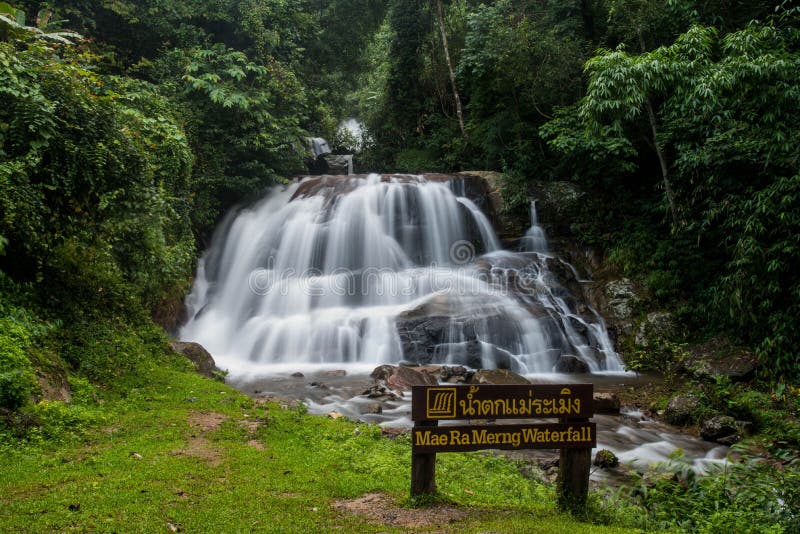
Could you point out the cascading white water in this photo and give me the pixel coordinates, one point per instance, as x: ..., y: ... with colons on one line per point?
x: 534, y: 239
x: 377, y: 269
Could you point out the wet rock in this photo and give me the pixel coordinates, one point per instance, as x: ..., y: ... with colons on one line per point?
x: 549, y: 465
x: 455, y: 374
x: 568, y: 363
x: 382, y: 372
x: 203, y: 362
x: 433, y: 370
x: 370, y: 408
x: 334, y: 373
x: 681, y: 410
x: 380, y: 392
x: 404, y: 378
x: 317, y: 146
x: 657, y: 328
x: 737, y: 369
x: 547, y: 462
x: 622, y: 298
x: 490, y: 193
x: 442, y: 373
x: 497, y: 376
x: 424, y: 340
x: 720, y: 427
x: 578, y: 325
x: 339, y: 164
x: 605, y: 459
x: 719, y: 357
x: 298, y: 375
x: 419, y: 337
x: 606, y: 403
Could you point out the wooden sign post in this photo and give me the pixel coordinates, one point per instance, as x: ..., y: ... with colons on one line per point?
x: 571, y: 404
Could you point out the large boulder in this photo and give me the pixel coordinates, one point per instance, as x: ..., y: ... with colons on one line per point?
x: 425, y: 334
x: 339, y: 164
x: 619, y: 303
x: 605, y: 459
x: 720, y: 358
x: 203, y: 362
x: 681, y: 410
x: 621, y: 297
x: 656, y: 329
x: 502, y: 377
x: 569, y: 363
x: 403, y: 378
x: 606, y: 403
x: 720, y: 428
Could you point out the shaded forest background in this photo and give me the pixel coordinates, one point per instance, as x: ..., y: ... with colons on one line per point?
x: 127, y: 129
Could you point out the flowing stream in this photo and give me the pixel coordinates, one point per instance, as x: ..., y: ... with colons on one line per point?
x: 363, y: 270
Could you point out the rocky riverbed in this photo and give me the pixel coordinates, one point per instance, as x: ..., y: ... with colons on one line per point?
x: 625, y: 426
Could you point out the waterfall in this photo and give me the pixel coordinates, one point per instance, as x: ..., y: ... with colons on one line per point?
x: 534, y: 239
x: 377, y: 269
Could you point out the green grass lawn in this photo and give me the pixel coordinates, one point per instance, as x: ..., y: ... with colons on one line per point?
x: 190, y: 454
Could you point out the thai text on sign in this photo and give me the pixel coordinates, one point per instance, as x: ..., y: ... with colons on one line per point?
x: 502, y: 402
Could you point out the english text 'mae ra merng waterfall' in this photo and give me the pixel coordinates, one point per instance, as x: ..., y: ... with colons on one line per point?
x: 377, y: 269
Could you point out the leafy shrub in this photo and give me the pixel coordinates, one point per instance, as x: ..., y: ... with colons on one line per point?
x: 417, y: 160
x: 753, y: 496
x: 60, y: 421
x: 83, y: 391
x: 17, y: 380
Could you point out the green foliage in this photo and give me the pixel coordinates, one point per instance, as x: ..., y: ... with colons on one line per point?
x: 410, y: 23
x: 13, y: 28
x: 17, y: 380
x: 507, y: 99
x: 95, y: 163
x: 247, y: 126
x: 60, y: 422
x: 754, y: 496
x: 417, y: 161
x: 513, y: 185
x: 722, y: 106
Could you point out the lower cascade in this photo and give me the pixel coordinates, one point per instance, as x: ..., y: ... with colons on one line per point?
x: 382, y: 268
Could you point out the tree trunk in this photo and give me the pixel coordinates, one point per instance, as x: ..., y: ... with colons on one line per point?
x: 459, y: 112
x: 663, y: 162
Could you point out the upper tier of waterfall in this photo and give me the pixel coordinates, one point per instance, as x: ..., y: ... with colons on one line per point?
x: 381, y: 268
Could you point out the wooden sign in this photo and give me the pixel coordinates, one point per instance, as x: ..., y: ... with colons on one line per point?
x: 431, y: 403
x: 510, y: 437
x: 574, y: 435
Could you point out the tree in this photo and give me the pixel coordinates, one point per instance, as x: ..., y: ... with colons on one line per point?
x: 726, y: 106
x: 454, y: 85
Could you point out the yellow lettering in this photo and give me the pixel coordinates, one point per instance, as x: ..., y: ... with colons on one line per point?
x: 479, y: 436
x: 422, y: 438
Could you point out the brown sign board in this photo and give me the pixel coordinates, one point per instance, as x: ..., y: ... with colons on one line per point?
x: 570, y: 401
x: 427, y: 439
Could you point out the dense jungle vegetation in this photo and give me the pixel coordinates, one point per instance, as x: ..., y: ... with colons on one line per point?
x: 127, y: 129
